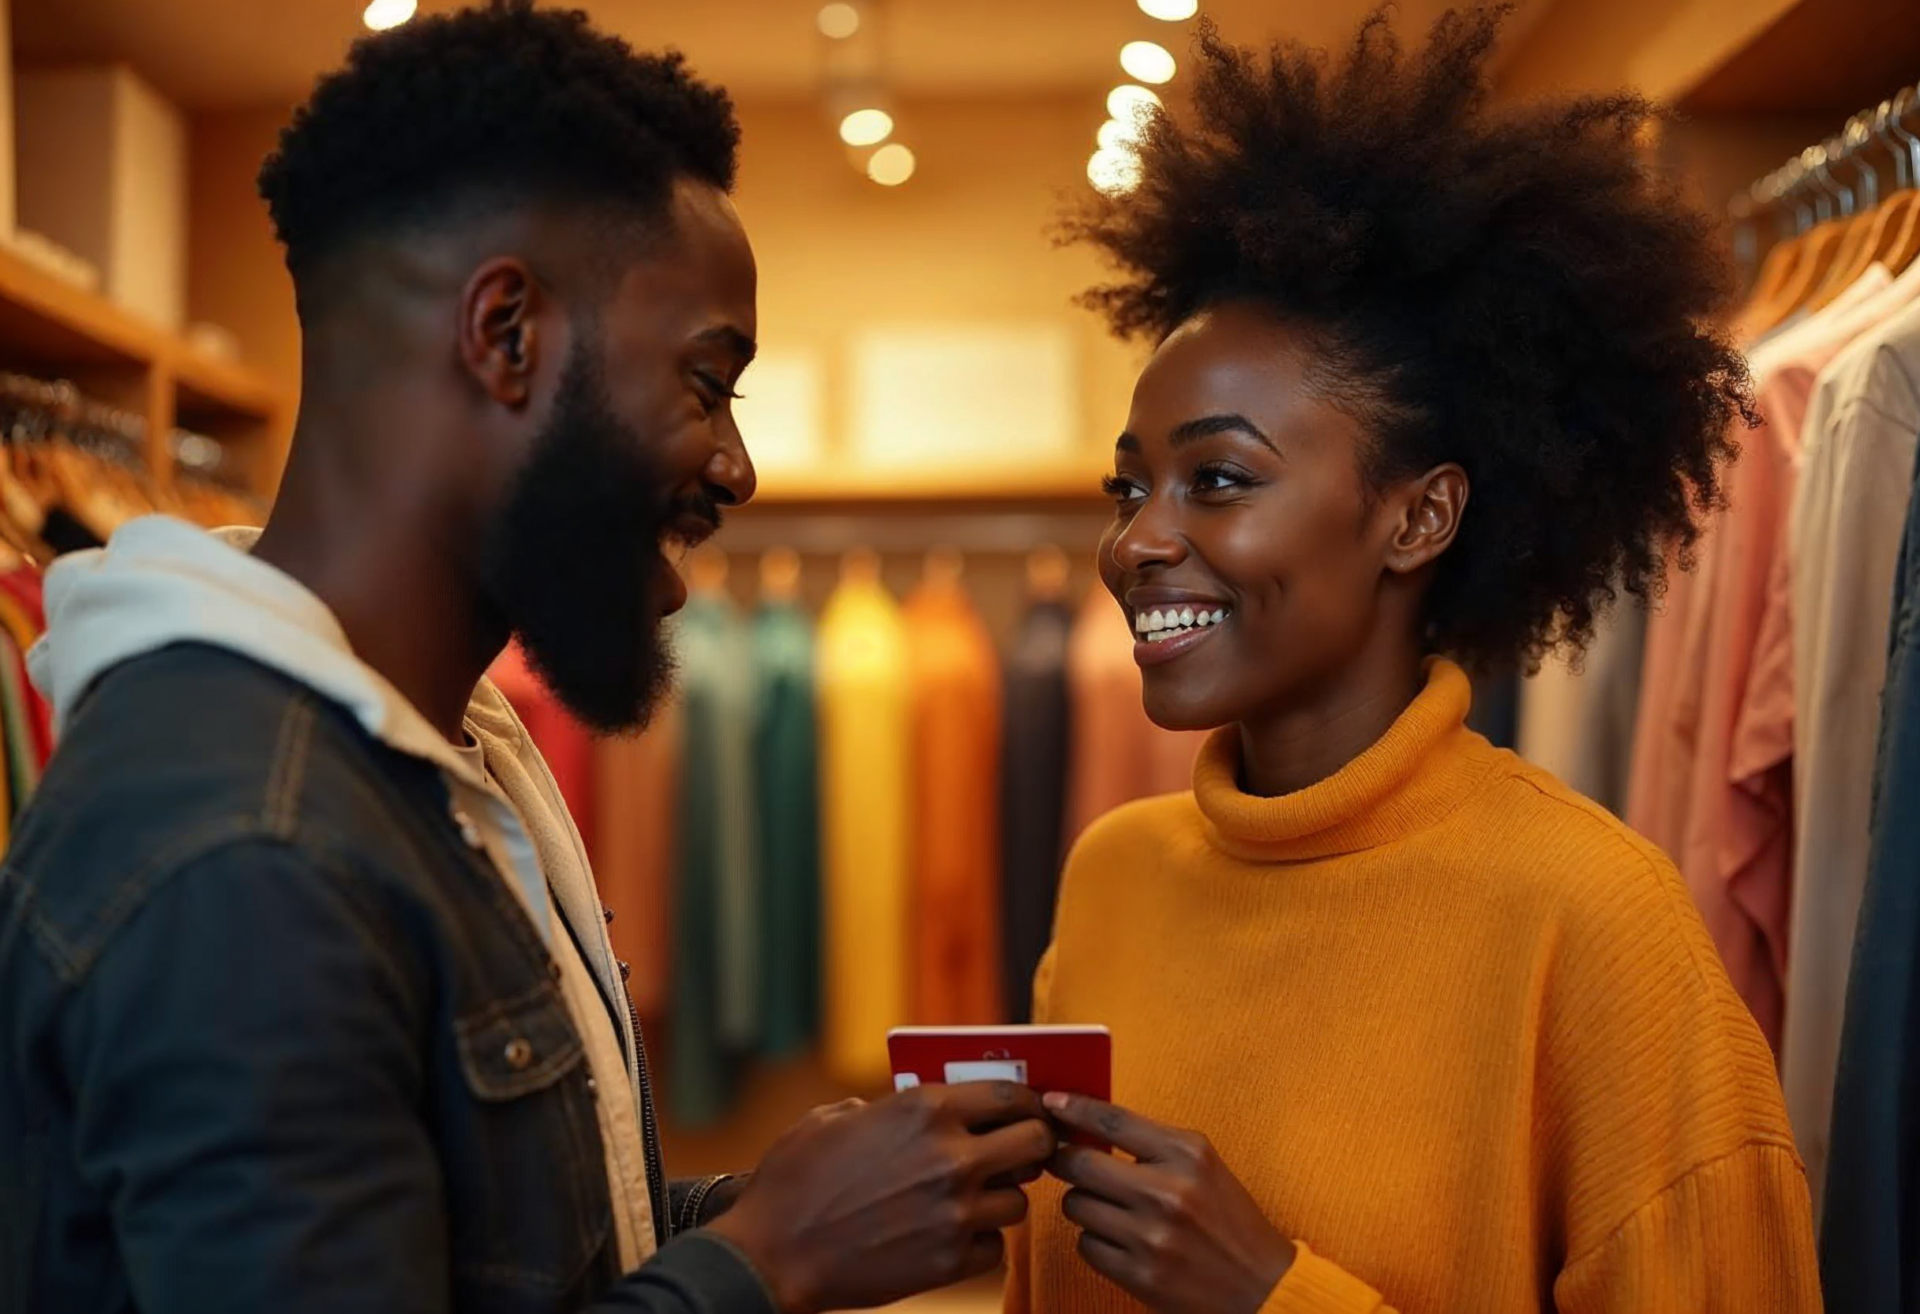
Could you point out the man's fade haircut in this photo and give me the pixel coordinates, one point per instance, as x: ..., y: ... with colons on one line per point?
x: 466, y: 112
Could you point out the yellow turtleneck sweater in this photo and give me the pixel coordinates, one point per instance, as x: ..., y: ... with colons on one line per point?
x: 1460, y: 1033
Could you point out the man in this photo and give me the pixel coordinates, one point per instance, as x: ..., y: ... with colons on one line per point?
x: 308, y: 1000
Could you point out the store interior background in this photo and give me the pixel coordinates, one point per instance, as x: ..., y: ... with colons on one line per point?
x: 999, y: 101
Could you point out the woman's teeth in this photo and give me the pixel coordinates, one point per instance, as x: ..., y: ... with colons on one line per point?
x: 1154, y: 626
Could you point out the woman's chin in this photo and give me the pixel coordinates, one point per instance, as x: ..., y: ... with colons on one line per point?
x: 1170, y: 709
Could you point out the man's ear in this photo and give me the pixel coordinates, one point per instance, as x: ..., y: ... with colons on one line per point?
x: 499, y: 341
x: 1431, y: 508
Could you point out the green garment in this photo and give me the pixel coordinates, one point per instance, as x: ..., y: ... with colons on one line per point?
x: 716, y: 1005
x: 788, y: 793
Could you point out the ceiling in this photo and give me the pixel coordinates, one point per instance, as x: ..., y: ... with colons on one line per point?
x: 224, y: 53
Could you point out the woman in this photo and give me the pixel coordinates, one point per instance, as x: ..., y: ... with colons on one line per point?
x: 1432, y: 386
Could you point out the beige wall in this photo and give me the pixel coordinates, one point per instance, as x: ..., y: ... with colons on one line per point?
x: 965, y: 241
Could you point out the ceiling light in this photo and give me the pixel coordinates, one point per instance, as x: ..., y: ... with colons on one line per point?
x: 1115, y: 134
x: 1114, y: 170
x: 1147, y: 61
x: 1127, y: 102
x: 866, y: 127
x: 891, y: 165
x: 1170, y: 11
x: 383, y: 14
x: 838, y: 21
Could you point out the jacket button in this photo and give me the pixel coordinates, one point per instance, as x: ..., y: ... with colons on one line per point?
x: 518, y: 1053
x: 626, y: 969
x: 607, y: 913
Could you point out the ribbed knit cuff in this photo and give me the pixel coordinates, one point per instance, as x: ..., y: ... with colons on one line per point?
x: 1319, y: 1286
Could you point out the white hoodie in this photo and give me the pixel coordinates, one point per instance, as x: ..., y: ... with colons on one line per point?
x: 161, y: 581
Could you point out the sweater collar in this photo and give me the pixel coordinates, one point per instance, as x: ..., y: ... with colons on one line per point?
x: 1426, y: 764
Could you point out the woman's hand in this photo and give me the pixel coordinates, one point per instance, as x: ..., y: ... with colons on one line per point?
x: 1175, y: 1229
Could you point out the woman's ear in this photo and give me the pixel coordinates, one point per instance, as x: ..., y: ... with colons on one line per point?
x: 1432, y: 506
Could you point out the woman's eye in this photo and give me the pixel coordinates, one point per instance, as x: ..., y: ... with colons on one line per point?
x: 712, y: 391
x: 1122, y: 490
x: 1216, y: 479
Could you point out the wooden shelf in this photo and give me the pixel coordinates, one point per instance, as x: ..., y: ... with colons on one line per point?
x: 52, y: 329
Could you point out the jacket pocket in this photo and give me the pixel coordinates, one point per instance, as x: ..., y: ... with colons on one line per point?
x: 529, y: 1213
x: 518, y: 1046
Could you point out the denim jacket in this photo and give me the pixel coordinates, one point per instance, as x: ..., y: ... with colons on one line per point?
x: 272, y: 1037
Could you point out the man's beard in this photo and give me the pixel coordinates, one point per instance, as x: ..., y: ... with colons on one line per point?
x: 570, y: 560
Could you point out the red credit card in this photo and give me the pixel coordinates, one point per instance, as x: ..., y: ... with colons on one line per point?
x: 1075, y: 1060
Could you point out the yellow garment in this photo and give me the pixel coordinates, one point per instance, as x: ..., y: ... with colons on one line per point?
x: 1460, y: 1032
x: 956, y: 809
x: 862, y: 674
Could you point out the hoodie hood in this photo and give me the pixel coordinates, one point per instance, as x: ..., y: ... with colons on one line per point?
x: 162, y: 581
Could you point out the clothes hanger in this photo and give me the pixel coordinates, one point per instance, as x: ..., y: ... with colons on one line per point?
x: 943, y: 568
x: 860, y: 566
x: 1833, y: 211
x: 1901, y: 246
x: 1047, y: 573
x: 707, y: 571
x: 779, y: 575
x: 1856, y: 256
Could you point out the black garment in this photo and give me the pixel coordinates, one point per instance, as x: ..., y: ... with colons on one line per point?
x: 273, y: 1038
x: 1033, y: 797
x: 1496, y: 708
x: 1870, y: 1226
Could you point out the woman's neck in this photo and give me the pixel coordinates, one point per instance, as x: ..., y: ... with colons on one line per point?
x: 1310, y: 738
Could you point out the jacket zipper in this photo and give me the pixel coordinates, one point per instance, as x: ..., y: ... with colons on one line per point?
x: 649, y: 1131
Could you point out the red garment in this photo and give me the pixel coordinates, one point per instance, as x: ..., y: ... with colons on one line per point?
x: 24, y: 586
x: 566, y: 744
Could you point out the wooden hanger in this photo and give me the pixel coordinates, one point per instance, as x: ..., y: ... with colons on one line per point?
x: 943, y: 568
x: 779, y: 575
x: 860, y: 565
x: 1047, y: 573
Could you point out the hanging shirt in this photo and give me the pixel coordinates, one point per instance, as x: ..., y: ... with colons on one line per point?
x: 956, y: 809
x: 1848, y: 516
x: 1578, y: 722
x: 1033, y: 796
x: 636, y: 802
x: 1674, y: 673
x: 716, y: 980
x: 865, y: 789
x: 1736, y: 717
x: 1870, y: 1245
x: 1119, y: 754
x: 785, y: 755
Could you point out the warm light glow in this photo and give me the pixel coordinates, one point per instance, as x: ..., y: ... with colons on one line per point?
x: 1127, y: 102
x: 891, y: 165
x: 1170, y: 11
x: 1114, y: 170
x: 839, y: 21
x: 1114, y: 134
x: 866, y: 127
x: 383, y: 14
x: 1147, y: 61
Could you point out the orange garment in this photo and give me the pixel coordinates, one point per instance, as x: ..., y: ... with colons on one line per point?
x: 955, y: 674
x: 1459, y: 1032
x: 637, y: 794
x: 1118, y: 754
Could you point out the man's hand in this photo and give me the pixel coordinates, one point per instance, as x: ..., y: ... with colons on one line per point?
x: 862, y: 1205
x: 1175, y: 1229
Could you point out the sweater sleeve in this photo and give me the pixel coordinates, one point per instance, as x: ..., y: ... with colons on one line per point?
x: 1315, y: 1285
x: 1734, y: 1235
